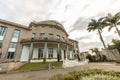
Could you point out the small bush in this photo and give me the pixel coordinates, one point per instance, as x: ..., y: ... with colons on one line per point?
x: 44, y: 60
x: 57, y: 77
x: 95, y: 74
x: 118, y: 61
x: 99, y: 77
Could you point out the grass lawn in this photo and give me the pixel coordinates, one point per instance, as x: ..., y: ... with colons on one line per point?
x: 38, y: 66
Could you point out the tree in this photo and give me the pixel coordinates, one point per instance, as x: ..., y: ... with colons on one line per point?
x: 89, y: 57
x: 116, y: 44
x: 113, y: 21
x: 96, y: 51
x: 97, y: 25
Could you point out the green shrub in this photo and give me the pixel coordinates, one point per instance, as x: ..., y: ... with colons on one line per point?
x: 100, y: 77
x: 57, y: 77
x: 95, y: 74
x: 118, y: 61
x: 44, y: 60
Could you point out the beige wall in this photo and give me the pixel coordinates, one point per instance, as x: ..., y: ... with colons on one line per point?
x: 47, y: 30
x: 7, y: 39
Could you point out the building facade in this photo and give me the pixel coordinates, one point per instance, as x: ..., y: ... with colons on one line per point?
x: 45, y: 39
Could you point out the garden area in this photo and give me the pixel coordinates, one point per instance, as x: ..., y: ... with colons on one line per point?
x: 94, y: 74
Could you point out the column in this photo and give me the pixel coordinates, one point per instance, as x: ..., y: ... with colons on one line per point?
x: 20, y: 53
x: 75, y: 49
x: 31, y: 51
x: 67, y: 52
x: 70, y: 55
x: 58, y: 52
x: 73, y: 53
x: 45, y: 50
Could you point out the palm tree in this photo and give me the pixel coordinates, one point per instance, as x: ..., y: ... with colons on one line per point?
x: 97, y: 25
x: 113, y: 21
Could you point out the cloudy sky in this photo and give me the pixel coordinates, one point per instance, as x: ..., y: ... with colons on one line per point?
x: 73, y: 14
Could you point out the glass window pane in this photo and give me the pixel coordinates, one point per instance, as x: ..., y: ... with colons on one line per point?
x: 40, y: 53
x: 50, y: 36
x: 16, y: 33
x: 13, y: 45
x: 10, y: 55
x: 42, y: 35
x: 33, y: 35
x: 50, y: 53
x: 58, y: 37
x: 2, y: 30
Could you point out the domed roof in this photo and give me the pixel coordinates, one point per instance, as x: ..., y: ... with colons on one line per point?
x: 49, y: 22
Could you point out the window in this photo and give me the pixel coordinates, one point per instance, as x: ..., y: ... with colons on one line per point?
x: 40, y: 53
x: 42, y: 35
x: 13, y: 45
x: 16, y: 33
x: 50, y: 36
x: 2, y: 30
x: 33, y: 35
x: 50, y: 53
x: 10, y: 55
x: 58, y: 37
x: 63, y: 38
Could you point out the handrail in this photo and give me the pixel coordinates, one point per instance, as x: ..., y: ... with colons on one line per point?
x: 45, y: 39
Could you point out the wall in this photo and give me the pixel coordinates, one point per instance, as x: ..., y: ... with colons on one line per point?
x: 14, y: 65
x: 111, y: 54
x: 47, y: 30
x: 7, y: 39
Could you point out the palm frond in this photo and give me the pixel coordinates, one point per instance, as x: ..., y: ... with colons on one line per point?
x: 110, y: 28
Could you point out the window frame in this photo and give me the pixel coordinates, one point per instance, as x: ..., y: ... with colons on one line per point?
x: 3, y: 30
x: 13, y: 45
x: 33, y: 35
x: 10, y: 55
x: 39, y: 53
x: 14, y: 34
x: 50, y: 52
x: 42, y: 35
x: 50, y: 36
x: 58, y: 37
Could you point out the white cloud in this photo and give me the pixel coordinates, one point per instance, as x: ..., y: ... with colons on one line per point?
x: 73, y: 14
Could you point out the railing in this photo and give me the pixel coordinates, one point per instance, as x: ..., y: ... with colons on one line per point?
x: 38, y: 39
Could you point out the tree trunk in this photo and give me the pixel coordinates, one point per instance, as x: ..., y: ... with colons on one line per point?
x: 117, y: 30
x: 101, y: 38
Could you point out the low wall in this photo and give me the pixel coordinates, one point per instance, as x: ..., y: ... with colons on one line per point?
x: 41, y: 60
x: 14, y: 65
x: 111, y: 54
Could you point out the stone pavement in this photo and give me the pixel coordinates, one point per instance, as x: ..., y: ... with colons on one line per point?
x: 46, y: 74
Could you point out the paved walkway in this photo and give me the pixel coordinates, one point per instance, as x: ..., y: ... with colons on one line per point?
x: 46, y: 74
